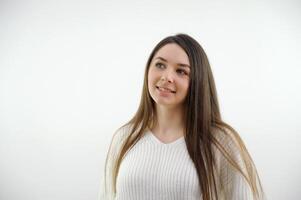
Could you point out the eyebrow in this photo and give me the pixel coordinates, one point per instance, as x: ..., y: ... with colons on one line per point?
x: 181, y: 64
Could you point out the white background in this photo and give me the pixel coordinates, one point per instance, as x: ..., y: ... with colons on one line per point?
x: 71, y: 73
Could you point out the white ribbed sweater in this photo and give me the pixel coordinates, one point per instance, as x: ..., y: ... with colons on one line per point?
x: 153, y: 170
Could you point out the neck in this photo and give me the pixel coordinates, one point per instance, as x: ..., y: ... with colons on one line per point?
x: 168, y: 121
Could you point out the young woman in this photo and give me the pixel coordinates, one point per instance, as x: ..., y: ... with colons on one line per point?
x: 177, y: 147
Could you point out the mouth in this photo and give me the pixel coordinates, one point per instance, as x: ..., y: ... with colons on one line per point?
x: 165, y: 89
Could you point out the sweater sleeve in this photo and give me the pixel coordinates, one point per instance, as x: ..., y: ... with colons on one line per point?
x: 106, y: 186
x: 233, y: 184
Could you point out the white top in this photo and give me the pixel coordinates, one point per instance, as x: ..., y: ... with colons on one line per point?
x: 153, y: 170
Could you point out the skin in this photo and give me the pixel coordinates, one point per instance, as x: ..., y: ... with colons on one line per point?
x: 169, y: 73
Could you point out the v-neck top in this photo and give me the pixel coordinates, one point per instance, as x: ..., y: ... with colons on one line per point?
x: 153, y: 170
x: 156, y: 140
x: 156, y: 170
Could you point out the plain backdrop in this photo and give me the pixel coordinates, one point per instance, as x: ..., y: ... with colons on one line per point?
x: 71, y: 73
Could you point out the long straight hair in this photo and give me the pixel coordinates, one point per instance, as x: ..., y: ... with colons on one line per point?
x: 202, y: 116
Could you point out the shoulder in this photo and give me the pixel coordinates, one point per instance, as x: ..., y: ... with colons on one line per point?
x: 227, y: 137
x: 229, y: 148
x: 236, y: 171
x: 120, y: 134
x: 122, y: 131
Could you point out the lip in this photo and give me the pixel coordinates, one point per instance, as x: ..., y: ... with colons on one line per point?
x: 170, y: 90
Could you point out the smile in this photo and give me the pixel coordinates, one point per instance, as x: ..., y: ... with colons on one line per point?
x: 165, y: 89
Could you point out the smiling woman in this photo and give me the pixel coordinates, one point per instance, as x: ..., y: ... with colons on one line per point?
x: 177, y: 146
x: 168, y: 80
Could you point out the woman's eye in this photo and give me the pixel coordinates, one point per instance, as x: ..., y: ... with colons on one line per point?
x: 159, y: 65
x: 182, y: 72
x: 179, y: 71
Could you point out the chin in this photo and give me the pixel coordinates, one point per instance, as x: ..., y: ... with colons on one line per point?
x: 167, y: 104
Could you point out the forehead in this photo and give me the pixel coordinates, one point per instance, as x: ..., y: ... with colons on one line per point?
x: 173, y: 53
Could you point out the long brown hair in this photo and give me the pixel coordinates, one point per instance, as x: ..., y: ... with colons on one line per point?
x: 202, y: 117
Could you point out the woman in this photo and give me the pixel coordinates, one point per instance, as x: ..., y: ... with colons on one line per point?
x: 177, y: 146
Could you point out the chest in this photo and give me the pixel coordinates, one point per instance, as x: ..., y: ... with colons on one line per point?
x: 164, y: 171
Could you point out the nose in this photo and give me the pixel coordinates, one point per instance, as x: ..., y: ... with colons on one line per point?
x: 168, y: 76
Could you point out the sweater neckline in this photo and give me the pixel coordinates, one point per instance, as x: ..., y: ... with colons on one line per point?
x: 159, y: 142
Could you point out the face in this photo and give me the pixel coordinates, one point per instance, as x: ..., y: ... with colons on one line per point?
x: 168, y: 76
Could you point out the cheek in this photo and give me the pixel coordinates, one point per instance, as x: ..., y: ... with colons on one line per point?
x: 184, y: 85
x: 187, y: 84
x: 151, y: 76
